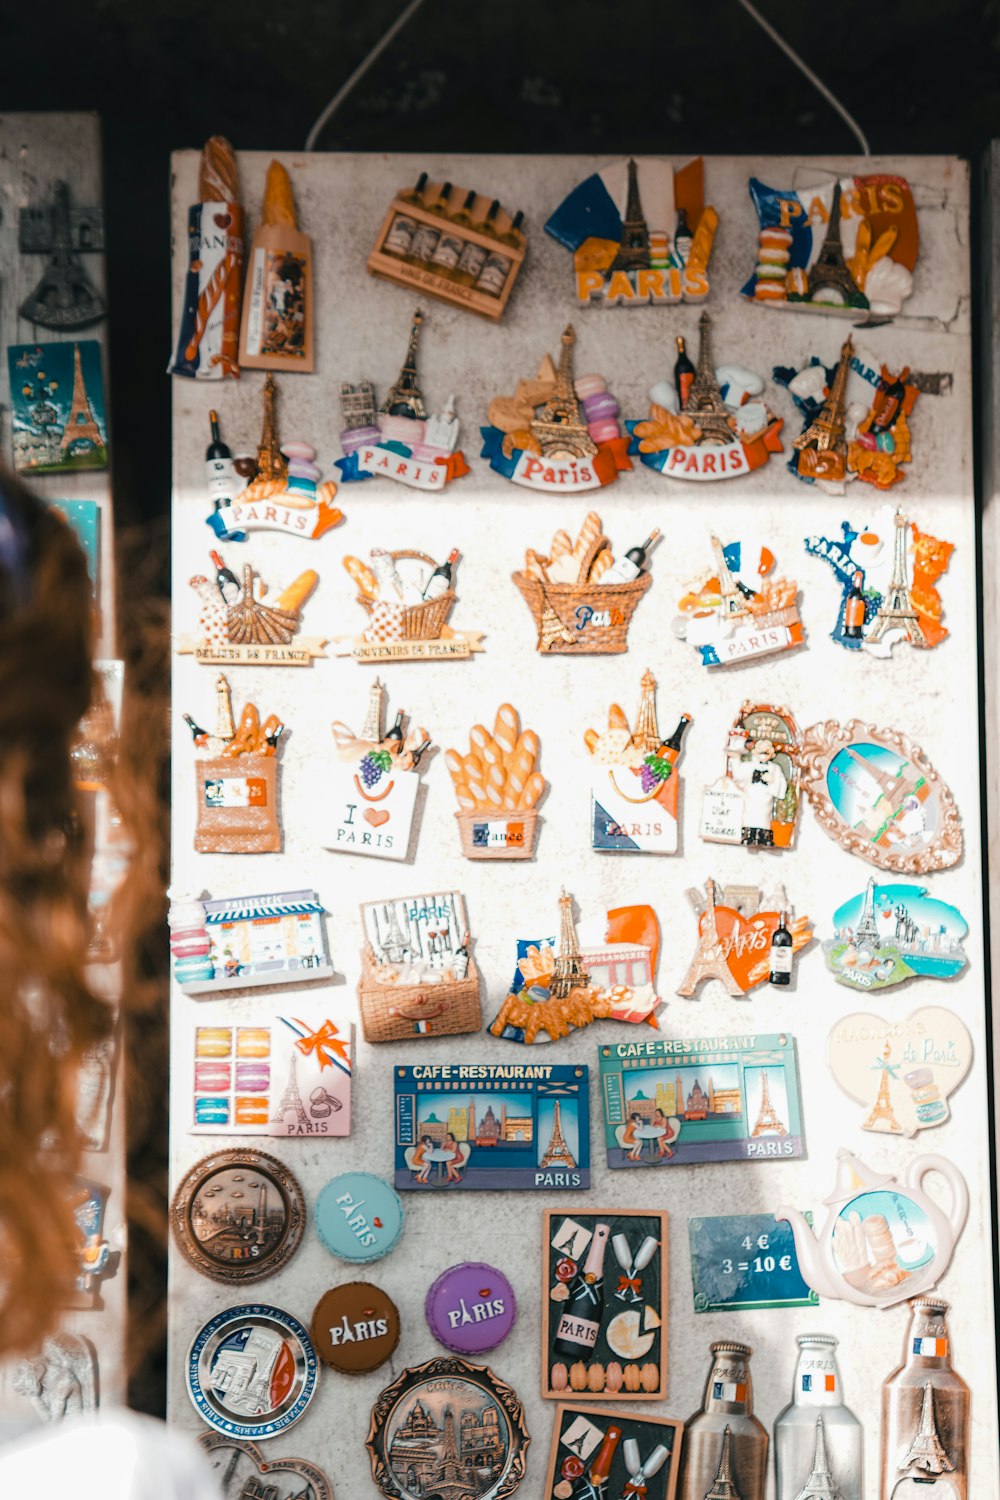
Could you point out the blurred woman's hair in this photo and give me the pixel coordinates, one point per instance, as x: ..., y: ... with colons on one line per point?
x: 49, y: 1014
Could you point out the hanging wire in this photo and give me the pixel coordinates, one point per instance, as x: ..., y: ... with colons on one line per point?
x: 360, y: 71
x: 804, y: 68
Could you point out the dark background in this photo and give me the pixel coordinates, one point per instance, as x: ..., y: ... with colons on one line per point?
x: 602, y: 76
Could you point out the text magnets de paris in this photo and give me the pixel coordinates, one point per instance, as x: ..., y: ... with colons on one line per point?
x: 878, y: 796
x: 901, y: 1071
x: 252, y: 1371
x: 242, y: 1470
x: 604, y: 1304
x: 629, y: 1454
x: 470, y: 1308
x: 238, y: 1216
x: 448, y: 1428
x: 358, y: 1217
x: 883, y: 1240
x: 355, y: 1327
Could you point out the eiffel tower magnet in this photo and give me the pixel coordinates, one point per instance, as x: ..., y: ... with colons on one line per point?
x: 65, y: 296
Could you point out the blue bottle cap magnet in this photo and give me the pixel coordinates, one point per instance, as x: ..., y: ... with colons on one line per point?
x: 359, y: 1217
x: 471, y: 1308
x: 252, y: 1371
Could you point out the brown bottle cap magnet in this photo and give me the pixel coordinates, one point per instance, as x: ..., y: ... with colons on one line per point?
x: 355, y: 1327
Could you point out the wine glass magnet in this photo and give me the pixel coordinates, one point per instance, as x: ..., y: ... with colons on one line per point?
x: 888, y: 571
x: 732, y: 611
x: 709, y: 423
x: 398, y: 440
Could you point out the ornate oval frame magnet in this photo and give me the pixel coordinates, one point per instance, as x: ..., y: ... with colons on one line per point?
x: 430, y: 1401
x: 878, y: 795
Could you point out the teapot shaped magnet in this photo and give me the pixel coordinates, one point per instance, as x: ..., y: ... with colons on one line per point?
x: 882, y: 1241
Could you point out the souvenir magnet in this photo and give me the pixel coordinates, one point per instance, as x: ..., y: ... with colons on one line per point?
x: 418, y: 977
x: 278, y: 1075
x: 236, y: 780
x: 901, y: 1071
x: 744, y: 939
x: 209, y: 332
x: 725, y: 1445
x: 57, y: 409
x: 709, y: 423
x: 926, y: 1411
x: 454, y: 244
x: 487, y: 1126
x: 635, y: 786
x: 65, y: 296
x: 498, y: 787
x: 358, y: 1217
x: 252, y: 1371
x: 556, y: 433
x: 448, y: 1428
x: 95, y: 1092
x: 818, y: 1441
x: 242, y: 1471
x: 873, y: 563
x: 238, y: 1216
x: 470, y: 1308
x: 626, y: 1455
x: 96, y: 1262
x: 883, y: 1240
x: 854, y: 420
x: 61, y: 1380
x: 743, y: 1262
x: 674, y: 1101
x: 408, y: 598
x: 609, y: 971
x: 355, y: 1327
x: 399, y: 441
x: 755, y: 802
x: 840, y: 247
x: 372, y: 789
x: 630, y: 248
x: 878, y: 796
x: 276, y: 332
x: 581, y: 597
x: 894, y: 932
x: 729, y: 613
x: 245, y: 942
x: 284, y: 490
x: 239, y: 626
x: 604, y: 1304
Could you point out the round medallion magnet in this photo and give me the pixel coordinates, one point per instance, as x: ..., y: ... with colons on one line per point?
x: 471, y: 1308
x: 252, y: 1371
x: 457, y: 1423
x: 355, y: 1327
x: 359, y: 1217
x: 238, y: 1215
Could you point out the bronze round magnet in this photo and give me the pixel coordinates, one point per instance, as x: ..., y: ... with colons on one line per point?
x: 238, y: 1215
x: 355, y: 1327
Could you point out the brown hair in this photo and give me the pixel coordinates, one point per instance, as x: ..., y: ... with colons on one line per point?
x: 49, y: 1015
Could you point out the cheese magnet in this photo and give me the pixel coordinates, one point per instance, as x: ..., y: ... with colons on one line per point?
x: 355, y: 1327
x: 277, y: 330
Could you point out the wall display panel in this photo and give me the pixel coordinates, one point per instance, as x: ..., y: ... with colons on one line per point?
x: 360, y: 333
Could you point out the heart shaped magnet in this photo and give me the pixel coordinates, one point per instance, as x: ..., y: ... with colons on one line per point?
x: 901, y: 1071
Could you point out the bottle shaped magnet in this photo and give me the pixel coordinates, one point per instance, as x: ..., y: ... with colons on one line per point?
x: 818, y: 1441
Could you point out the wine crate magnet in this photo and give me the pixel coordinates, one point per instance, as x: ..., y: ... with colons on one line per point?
x: 604, y: 1304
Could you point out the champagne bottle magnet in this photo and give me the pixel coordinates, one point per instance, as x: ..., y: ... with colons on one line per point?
x: 580, y: 1322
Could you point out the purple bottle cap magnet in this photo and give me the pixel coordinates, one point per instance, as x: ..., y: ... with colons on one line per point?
x: 471, y: 1308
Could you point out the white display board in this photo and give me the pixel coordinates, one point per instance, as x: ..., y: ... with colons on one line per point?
x: 362, y: 329
x: 36, y: 152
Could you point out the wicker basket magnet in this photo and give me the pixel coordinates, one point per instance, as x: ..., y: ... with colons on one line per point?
x: 564, y: 614
x: 421, y: 622
x: 406, y: 1012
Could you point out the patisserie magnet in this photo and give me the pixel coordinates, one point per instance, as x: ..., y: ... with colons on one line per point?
x: 369, y: 793
x: 840, y: 247
x: 635, y: 781
x: 557, y: 433
x: 398, y: 440
x: 707, y: 423
x: 640, y: 233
